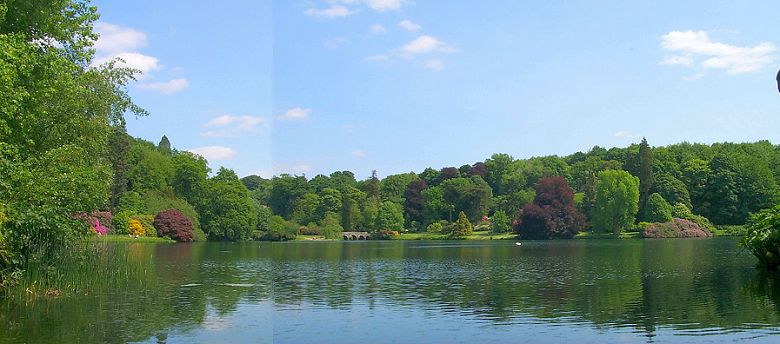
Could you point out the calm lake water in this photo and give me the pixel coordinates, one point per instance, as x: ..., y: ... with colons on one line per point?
x: 588, y: 291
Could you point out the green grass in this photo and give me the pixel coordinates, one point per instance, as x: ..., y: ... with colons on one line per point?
x: 592, y: 235
x: 127, y: 239
x: 483, y: 235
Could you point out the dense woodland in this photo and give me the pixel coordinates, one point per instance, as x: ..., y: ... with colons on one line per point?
x: 67, y: 162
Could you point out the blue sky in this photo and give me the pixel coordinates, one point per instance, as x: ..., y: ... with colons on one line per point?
x: 315, y: 86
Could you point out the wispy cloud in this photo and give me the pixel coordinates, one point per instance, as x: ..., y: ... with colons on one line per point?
x: 385, y: 5
x: 232, y: 126
x: 295, y: 114
x: 377, y: 29
x: 696, y: 48
x: 214, y: 153
x: 168, y: 87
x: 425, y: 44
x: 358, y: 153
x: 625, y: 134
x: 332, y: 12
x: 409, y: 25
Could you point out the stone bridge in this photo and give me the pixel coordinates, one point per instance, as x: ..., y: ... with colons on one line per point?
x: 355, y: 236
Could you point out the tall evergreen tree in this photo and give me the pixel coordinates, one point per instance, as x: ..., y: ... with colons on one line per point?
x: 118, y: 153
x: 373, y: 186
x: 164, y: 146
x: 646, y: 177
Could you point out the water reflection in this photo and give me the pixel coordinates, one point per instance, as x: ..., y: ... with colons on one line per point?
x: 308, y: 292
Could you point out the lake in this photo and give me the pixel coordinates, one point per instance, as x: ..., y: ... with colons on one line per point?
x: 589, y: 291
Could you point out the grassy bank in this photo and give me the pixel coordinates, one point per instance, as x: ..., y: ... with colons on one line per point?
x: 127, y: 239
x: 592, y: 235
x: 440, y: 236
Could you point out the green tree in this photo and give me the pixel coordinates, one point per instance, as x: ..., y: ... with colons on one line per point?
x: 164, y: 146
x: 657, y: 209
x: 190, y: 172
x: 462, y: 227
x: 392, y: 187
x: 617, y: 201
x: 672, y: 189
x: 390, y: 217
x: 285, y: 192
x: 228, y: 213
x: 500, y: 222
x: 646, y: 176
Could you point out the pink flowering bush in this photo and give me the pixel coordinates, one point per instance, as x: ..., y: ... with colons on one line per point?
x: 677, y: 228
x: 95, y: 220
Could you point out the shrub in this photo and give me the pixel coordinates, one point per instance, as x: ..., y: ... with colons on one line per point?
x: 462, y: 227
x: 387, y: 234
x: 552, y: 214
x: 763, y: 238
x: 96, y: 220
x: 682, y: 211
x: 677, y: 228
x: 136, y: 228
x: 174, y: 224
x: 657, y: 209
x: 434, y: 227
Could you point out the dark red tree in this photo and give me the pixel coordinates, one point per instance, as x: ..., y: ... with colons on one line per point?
x: 174, y: 224
x: 448, y: 173
x: 552, y: 215
x: 413, y: 200
x: 479, y: 169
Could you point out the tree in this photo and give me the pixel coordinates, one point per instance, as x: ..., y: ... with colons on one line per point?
x: 119, y: 153
x: 56, y: 118
x: 672, y: 189
x: 500, y: 222
x: 373, y: 186
x: 285, y: 192
x: 617, y: 201
x: 462, y: 227
x: 173, y: 224
x: 471, y: 195
x: 414, y: 202
x: 392, y: 188
x: 498, y: 166
x: 448, y: 173
x: 646, y: 177
x: 552, y: 215
x: 164, y: 146
x: 229, y: 213
x: 330, y: 202
x: 390, y: 217
x: 763, y: 238
x: 190, y: 172
x: 657, y: 209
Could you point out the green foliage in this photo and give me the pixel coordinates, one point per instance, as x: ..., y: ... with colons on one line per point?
x: 330, y: 226
x: 392, y: 187
x: 279, y: 230
x: 435, y: 227
x: 657, y: 209
x: 390, y: 217
x: 462, y: 227
x: 763, y: 238
x: 229, y: 213
x: 682, y: 211
x: 500, y: 222
x: 617, y: 201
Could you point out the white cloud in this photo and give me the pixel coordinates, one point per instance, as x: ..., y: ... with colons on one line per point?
x: 232, y: 126
x: 172, y: 86
x: 690, y: 46
x: 334, y: 11
x: 295, y: 114
x: 358, y: 153
x: 434, y: 64
x: 385, y: 5
x: 241, y: 121
x: 116, y: 39
x: 627, y: 135
x: 425, y: 44
x: 214, y: 153
x: 409, y: 25
x: 141, y: 62
x: 377, y: 29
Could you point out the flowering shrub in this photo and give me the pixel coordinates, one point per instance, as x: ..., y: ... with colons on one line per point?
x: 677, y: 228
x: 173, y: 224
x: 136, y: 228
x: 386, y: 234
x: 95, y: 220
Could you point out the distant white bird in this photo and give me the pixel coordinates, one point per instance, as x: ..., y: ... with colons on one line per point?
x: 518, y: 244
